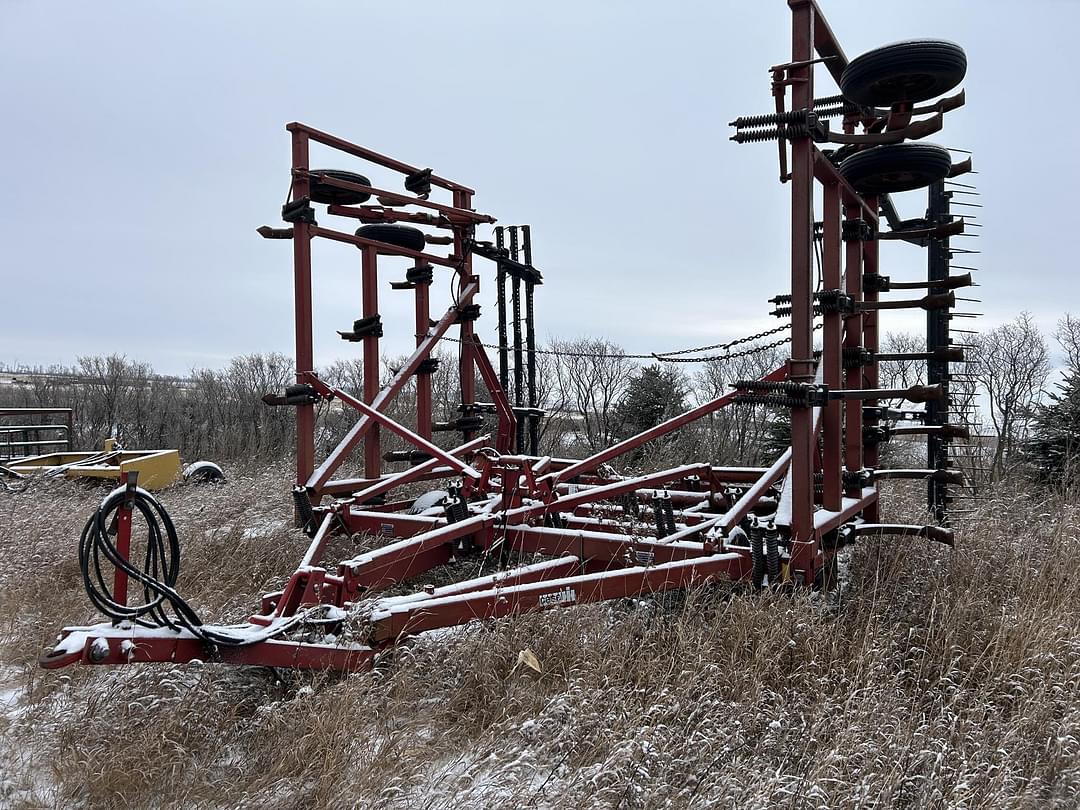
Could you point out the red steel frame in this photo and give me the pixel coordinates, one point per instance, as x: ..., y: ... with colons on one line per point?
x: 567, y: 510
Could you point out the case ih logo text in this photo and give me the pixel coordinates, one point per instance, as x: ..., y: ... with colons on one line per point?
x: 561, y: 597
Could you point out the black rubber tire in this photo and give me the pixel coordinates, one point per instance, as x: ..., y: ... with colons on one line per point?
x: 332, y: 195
x: 203, y: 472
x: 402, y: 236
x: 914, y: 70
x: 896, y: 167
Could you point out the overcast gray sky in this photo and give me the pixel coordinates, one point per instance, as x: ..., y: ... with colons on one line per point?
x: 145, y: 142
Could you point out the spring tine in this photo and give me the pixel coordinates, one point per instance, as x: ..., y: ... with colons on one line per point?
x: 963, y: 267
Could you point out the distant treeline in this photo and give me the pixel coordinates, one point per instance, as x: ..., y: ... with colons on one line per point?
x: 593, y: 394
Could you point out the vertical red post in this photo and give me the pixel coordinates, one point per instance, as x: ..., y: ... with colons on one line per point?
x: 370, y: 286
x: 832, y: 352
x: 870, y: 341
x: 123, y: 546
x: 853, y: 339
x: 423, y: 381
x: 803, y: 440
x: 466, y: 364
x: 305, y: 414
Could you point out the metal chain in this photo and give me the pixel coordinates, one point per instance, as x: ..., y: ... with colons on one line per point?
x: 728, y: 356
x: 728, y: 345
x: 558, y: 353
x: 669, y: 357
x: 731, y: 355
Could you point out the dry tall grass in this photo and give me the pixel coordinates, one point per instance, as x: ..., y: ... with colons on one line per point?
x: 936, y: 679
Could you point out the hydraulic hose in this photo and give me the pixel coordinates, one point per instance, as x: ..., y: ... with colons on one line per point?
x: 157, y: 576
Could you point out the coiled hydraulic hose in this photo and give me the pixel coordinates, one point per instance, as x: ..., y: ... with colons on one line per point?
x: 160, y: 567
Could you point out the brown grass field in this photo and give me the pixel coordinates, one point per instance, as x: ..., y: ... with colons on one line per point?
x: 934, y: 678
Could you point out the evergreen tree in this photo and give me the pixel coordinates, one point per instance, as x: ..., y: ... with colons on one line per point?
x: 653, y: 396
x: 1054, y: 446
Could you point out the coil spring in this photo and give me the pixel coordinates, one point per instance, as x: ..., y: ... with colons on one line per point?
x: 784, y: 386
x: 785, y: 312
x: 778, y: 400
x: 789, y: 131
x: 772, y: 552
x: 658, y: 516
x: 304, y: 510
x: 757, y: 553
x: 832, y: 111
x: 857, y: 356
x: 769, y: 119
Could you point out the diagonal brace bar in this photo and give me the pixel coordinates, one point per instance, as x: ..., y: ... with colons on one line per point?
x: 394, y: 427
x: 676, y: 422
x: 386, y: 396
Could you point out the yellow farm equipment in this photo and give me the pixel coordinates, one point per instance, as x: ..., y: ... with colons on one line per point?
x: 156, y: 468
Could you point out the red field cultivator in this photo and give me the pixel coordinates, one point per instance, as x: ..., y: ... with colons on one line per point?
x: 586, y: 533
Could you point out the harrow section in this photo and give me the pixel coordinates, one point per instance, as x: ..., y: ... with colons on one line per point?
x: 533, y: 532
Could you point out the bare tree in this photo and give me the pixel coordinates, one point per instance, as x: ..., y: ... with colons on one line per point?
x: 736, y: 434
x: 902, y: 373
x: 1012, y: 363
x: 1068, y: 337
x: 591, y: 376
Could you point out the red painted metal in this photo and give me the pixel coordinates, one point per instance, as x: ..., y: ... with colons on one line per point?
x: 305, y: 414
x: 402, y: 431
x: 832, y: 352
x: 410, y: 619
x: 802, y: 367
x: 370, y: 282
x: 321, y: 475
x: 853, y: 335
x: 369, y: 155
x: 422, y: 299
x: 664, y: 428
x: 418, y: 473
x: 610, y: 536
x: 507, y: 420
x: 123, y: 546
x: 457, y: 213
x: 871, y: 343
x: 137, y: 645
x: 467, y: 362
x: 381, y: 247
